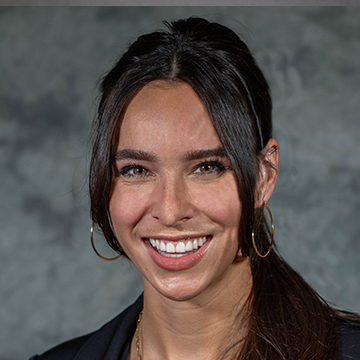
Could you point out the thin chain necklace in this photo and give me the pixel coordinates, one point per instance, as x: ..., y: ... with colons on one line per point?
x: 137, y: 334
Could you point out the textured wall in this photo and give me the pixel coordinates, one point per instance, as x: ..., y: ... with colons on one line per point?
x: 52, y: 285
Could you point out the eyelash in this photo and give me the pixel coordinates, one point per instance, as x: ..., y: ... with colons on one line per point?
x: 219, y: 168
x: 126, y: 169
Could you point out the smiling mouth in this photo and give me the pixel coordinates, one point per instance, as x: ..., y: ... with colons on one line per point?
x: 179, y: 248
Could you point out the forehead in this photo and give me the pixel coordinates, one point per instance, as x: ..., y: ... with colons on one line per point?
x: 167, y: 115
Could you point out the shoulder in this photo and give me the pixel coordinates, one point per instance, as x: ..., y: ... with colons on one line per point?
x: 95, y: 345
x: 66, y: 350
x: 349, y: 339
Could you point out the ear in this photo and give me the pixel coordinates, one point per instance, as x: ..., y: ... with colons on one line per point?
x: 268, y: 172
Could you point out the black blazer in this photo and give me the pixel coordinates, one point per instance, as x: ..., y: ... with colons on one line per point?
x: 112, y: 341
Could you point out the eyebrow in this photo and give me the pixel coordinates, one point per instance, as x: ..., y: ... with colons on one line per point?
x: 204, y: 153
x: 125, y: 154
x: 135, y: 155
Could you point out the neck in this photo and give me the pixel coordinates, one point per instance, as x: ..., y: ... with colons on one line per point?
x: 201, y: 327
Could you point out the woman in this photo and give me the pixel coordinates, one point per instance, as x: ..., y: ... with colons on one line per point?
x: 182, y: 168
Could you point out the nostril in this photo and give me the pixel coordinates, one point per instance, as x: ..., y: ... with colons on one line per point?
x: 185, y: 218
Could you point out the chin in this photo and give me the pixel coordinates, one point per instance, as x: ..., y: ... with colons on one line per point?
x: 180, y: 296
x: 183, y: 289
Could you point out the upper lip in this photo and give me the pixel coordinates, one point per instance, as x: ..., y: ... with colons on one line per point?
x: 175, y: 238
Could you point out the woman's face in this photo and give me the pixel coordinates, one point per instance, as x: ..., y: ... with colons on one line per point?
x: 174, y: 204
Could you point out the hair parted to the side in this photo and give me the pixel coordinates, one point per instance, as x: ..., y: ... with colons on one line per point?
x: 286, y: 319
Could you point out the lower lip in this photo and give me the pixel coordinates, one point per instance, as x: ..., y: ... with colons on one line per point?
x: 175, y: 264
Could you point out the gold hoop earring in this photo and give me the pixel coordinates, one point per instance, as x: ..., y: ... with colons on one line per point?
x: 93, y: 246
x: 272, y: 235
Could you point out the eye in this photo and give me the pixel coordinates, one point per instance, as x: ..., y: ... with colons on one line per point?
x: 207, y: 168
x: 134, y: 171
x: 210, y: 167
x: 139, y: 171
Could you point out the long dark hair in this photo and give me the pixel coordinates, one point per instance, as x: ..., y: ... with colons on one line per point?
x: 286, y: 319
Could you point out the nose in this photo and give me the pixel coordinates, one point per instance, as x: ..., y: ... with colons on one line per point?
x: 171, y: 203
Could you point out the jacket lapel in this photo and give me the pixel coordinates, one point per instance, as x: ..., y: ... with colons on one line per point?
x: 110, y: 341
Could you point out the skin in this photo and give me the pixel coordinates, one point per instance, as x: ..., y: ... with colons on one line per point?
x: 189, y: 313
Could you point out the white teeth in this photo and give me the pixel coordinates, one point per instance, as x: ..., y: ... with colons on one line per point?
x: 172, y: 255
x: 162, y: 246
x: 189, y: 246
x: 170, y: 248
x: 182, y: 248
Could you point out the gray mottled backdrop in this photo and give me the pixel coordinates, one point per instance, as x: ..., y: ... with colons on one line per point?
x: 52, y: 285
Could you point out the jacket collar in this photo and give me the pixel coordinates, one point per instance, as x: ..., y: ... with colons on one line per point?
x: 111, y: 342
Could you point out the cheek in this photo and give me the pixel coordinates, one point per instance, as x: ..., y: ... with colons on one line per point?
x: 220, y: 203
x: 126, y: 208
